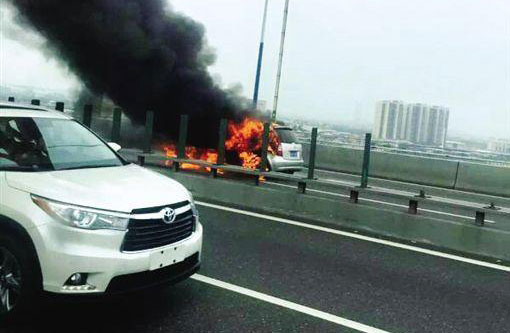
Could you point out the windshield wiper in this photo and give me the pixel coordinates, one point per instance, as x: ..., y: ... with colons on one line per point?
x: 89, y: 167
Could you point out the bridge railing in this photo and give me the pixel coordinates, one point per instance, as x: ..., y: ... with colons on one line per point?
x: 355, y: 193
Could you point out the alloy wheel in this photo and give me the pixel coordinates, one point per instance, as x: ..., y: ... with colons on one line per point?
x: 10, y: 281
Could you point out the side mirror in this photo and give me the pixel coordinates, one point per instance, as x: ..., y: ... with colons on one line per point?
x: 114, y: 146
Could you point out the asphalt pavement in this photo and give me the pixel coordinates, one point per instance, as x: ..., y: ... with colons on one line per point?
x: 310, y: 281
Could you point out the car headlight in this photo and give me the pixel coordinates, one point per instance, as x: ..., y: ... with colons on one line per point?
x: 194, y: 209
x: 193, y: 206
x: 81, y: 217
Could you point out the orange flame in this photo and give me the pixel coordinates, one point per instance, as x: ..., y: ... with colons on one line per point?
x: 192, y: 153
x: 250, y: 160
x: 244, y: 138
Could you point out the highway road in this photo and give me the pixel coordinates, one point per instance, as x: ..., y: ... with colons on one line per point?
x: 266, y: 274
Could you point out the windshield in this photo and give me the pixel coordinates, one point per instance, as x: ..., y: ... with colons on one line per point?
x: 286, y: 135
x: 45, y: 144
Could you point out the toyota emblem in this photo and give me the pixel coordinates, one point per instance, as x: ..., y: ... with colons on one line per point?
x: 168, y: 215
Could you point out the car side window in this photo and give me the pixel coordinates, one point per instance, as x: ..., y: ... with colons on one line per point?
x: 22, y: 145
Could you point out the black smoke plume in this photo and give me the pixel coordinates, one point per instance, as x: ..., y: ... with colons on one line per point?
x: 141, y: 54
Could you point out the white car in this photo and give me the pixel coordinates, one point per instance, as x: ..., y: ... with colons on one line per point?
x: 75, y: 218
x: 289, y: 156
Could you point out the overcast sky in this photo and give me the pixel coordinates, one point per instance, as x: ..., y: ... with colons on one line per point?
x: 341, y: 56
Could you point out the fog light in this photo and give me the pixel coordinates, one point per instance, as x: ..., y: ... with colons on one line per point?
x: 84, y: 287
x: 77, y: 279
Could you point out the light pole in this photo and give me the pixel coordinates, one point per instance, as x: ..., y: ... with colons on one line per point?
x: 280, y: 61
x: 259, y: 61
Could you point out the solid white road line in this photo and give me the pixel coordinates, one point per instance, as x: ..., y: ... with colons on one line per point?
x: 382, y: 202
x: 360, y: 237
x: 287, y: 304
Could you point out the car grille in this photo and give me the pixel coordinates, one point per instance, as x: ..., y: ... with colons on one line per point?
x: 150, y: 234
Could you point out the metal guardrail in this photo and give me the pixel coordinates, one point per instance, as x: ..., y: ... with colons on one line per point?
x: 355, y: 192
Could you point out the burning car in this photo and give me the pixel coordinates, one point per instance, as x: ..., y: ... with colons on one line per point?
x: 243, y: 147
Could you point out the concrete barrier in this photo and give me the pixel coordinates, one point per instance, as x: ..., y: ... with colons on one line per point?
x: 407, y: 168
x: 336, y: 158
x: 484, y: 179
x: 420, y: 170
x: 396, y: 224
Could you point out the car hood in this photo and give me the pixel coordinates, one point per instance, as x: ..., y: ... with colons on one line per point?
x: 121, y: 189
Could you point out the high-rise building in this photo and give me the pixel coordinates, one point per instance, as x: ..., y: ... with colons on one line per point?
x: 416, y: 122
x: 499, y: 146
x: 415, y: 114
x: 388, y: 120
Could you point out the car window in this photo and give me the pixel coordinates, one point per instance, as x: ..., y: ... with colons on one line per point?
x: 286, y: 135
x: 45, y: 144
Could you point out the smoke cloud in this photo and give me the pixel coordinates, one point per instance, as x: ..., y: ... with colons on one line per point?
x: 143, y: 55
x: 12, y: 31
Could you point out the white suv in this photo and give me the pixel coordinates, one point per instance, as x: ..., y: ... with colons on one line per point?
x: 76, y: 218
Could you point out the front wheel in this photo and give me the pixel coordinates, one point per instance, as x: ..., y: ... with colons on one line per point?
x: 18, y: 278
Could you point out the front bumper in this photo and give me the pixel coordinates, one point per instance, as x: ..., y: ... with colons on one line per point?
x: 148, y: 279
x: 64, y: 251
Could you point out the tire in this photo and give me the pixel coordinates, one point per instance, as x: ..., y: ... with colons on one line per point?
x: 20, y: 277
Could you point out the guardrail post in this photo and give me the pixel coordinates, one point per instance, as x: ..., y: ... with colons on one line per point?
x: 87, y: 115
x: 183, y: 135
x: 222, y: 137
x: 413, y: 207
x: 492, y: 205
x: 354, y: 196
x: 456, y: 176
x: 313, y: 146
x: 141, y: 160
x: 11, y: 99
x: 149, y: 126
x: 181, y: 144
x: 221, y: 141
x: 265, y: 144
x: 366, y: 160
x: 35, y: 102
x: 59, y: 106
x: 302, y: 187
x: 480, y: 218
x: 117, y: 118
